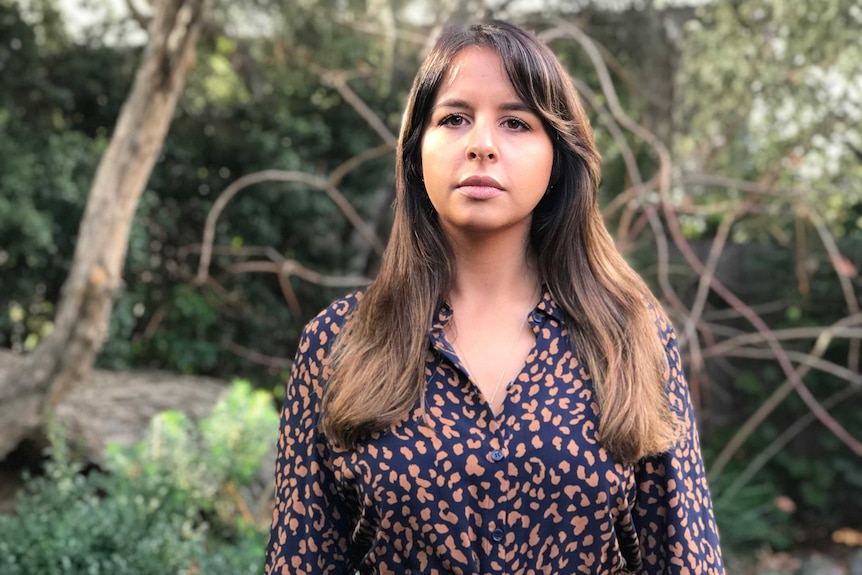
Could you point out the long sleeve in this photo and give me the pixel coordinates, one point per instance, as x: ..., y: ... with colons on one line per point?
x: 310, y: 522
x: 673, y: 512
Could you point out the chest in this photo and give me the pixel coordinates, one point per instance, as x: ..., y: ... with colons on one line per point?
x: 539, y: 457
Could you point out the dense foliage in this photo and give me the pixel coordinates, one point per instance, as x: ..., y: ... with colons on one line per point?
x: 249, y: 106
x: 176, y: 503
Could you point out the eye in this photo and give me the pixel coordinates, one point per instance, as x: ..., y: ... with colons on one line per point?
x: 452, y: 120
x: 516, y: 124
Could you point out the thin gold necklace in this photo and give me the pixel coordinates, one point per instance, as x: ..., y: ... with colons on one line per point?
x: 506, y: 368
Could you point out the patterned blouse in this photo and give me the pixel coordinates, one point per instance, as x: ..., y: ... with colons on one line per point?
x: 462, y: 491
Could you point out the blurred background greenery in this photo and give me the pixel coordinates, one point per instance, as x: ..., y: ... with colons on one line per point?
x: 735, y: 140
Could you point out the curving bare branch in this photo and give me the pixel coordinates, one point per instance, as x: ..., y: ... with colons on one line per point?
x: 689, y: 326
x: 338, y: 81
x: 843, y: 271
x: 257, y: 357
x: 612, y: 120
x: 664, y: 180
x: 142, y: 19
x: 294, y: 268
x: 823, y: 335
x: 351, y: 164
x: 762, y: 458
x: 807, y: 359
x: 278, y: 176
x: 841, y: 328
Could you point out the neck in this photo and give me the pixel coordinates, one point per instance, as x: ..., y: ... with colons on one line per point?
x: 493, y: 270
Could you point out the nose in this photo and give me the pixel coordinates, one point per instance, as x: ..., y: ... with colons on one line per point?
x: 482, y: 144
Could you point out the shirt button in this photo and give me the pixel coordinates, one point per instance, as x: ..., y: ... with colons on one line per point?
x: 497, y: 455
x: 497, y: 535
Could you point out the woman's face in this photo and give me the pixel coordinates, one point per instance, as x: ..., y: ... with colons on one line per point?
x: 486, y: 158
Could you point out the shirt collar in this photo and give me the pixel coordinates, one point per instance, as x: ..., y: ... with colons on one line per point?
x: 444, y: 314
x: 546, y: 305
x: 549, y: 307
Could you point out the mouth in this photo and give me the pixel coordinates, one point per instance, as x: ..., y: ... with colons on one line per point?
x: 480, y: 182
x: 480, y: 187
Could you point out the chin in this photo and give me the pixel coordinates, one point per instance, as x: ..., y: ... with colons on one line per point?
x: 487, y: 225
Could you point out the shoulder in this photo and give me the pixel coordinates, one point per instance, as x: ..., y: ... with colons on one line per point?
x: 337, y: 312
x: 315, y: 343
x: 663, y: 324
x: 326, y: 325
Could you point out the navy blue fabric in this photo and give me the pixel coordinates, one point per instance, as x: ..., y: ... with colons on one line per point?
x: 455, y: 489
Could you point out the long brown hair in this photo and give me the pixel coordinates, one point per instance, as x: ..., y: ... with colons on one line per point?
x: 378, y: 361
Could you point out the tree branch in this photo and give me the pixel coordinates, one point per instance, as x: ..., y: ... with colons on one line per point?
x: 338, y: 80
x: 664, y: 185
x: 824, y: 337
x: 278, y: 176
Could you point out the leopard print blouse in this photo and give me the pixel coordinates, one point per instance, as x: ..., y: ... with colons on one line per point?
x: 458, y: 490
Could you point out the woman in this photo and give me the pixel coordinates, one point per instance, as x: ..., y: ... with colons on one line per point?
x: 506, y: 396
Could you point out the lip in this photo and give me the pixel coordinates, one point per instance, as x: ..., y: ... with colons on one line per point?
x: 480, y: 187
x: 480, y: 182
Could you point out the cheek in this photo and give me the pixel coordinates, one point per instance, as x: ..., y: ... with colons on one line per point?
x: 543, y: 165
x: 425, y: 155
x: 429, y: 144
x: 432, y: 161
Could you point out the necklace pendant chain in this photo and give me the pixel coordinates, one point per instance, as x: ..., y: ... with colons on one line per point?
x: 505, y: 369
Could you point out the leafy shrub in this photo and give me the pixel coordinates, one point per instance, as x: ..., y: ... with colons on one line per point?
x: 752, y: 519
x: 172, y: 504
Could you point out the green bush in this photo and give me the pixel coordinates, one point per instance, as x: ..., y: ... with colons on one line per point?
x: 172, y: 504
x: 752, y: 519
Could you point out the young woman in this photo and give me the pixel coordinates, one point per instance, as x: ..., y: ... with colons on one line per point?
x: 506, y: 396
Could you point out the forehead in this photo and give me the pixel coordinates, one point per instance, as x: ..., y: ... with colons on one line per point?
x: 475, y: 67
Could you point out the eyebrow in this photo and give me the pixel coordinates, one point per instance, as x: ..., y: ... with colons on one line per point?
x: 507, y: 107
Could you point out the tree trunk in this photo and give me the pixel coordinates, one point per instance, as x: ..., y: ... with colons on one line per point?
x: 65, y: 358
